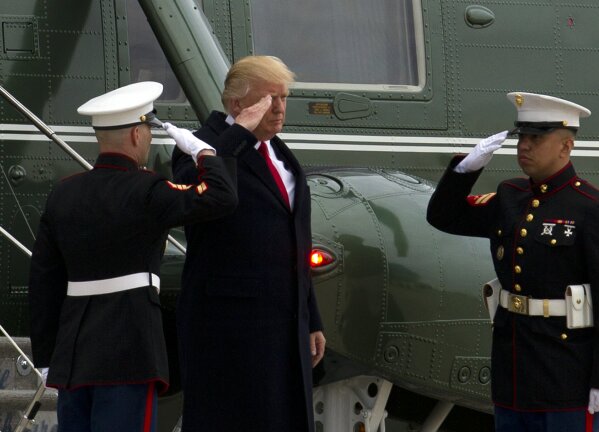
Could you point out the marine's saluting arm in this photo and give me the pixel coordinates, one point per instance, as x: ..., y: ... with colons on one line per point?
x: 451, y: 208
x: 214, y: 196
x: 480, y: 155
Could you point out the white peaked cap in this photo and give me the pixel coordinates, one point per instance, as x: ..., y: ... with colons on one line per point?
x: 538, y: 108
x: 124, y: 106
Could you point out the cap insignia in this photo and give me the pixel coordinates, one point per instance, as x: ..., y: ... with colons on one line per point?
x: 519, y: 100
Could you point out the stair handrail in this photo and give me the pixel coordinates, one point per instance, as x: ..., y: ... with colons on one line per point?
x: 45, y: 129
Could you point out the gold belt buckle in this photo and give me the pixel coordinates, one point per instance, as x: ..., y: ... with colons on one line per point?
x: 518, y: 304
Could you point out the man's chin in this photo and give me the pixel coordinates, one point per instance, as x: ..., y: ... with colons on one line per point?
x: 272, y: 132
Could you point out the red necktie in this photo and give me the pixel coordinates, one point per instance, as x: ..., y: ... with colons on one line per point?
x: 263, y: 150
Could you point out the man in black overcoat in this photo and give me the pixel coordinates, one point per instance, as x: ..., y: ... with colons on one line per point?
x: 544, y: 238
x: 248, y: 324
x: 95, y: 270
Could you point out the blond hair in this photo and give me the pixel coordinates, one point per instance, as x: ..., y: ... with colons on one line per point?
x: 253, y: 69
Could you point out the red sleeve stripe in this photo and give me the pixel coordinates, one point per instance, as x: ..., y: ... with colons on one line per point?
x: 480, y: 200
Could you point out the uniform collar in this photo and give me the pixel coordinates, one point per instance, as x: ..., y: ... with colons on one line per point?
x: 555, y: 182
x: 117, y: 161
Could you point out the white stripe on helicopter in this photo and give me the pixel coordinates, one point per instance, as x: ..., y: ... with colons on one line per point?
x: 320, y: 142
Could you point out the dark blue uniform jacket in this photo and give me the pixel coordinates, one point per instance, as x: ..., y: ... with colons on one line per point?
x: 110, y: 222
x: 543, y: 238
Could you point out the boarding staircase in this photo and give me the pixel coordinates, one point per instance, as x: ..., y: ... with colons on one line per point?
x: 20, y: 390
x: 18, y: 386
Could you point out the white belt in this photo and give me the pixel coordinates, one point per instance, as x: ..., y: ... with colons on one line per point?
x: 528, y: 306
x: 112, y: 285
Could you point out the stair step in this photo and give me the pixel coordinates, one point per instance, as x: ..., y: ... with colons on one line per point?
x: 23, y: 342
x: 45, y: 421
x: 18, y: 384
x: 8, y: 350
x: 15, y: 373
x: 13, y: 400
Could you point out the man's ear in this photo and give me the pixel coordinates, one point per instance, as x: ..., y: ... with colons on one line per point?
x: 135, y: 135
x: 235, y: 107
x: 568, y: 145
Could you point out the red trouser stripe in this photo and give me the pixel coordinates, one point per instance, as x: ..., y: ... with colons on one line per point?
x: 589, y: 427
x: 149, y: 408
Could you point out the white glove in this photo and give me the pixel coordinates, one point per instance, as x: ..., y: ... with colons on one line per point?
x: 44, y: 372
x: 187, y: 142
x: 594, y: 401
x: 481, y: 154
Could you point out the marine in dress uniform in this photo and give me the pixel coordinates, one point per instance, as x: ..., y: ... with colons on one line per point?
x: 247, y: 313
x: 95, y: 270
x: 544, y: 237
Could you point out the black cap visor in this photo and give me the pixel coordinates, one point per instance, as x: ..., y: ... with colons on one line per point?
x: 151, y: 119
x: 538, y: 128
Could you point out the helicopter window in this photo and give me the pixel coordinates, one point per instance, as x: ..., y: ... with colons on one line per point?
x: 148, y: 62
x: 346, y: 44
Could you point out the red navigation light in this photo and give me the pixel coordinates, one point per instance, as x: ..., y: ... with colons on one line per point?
x: 320, y: 258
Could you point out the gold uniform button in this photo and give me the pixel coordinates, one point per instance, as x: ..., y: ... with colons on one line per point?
x: 564, y: 336
x: 529, y: 218
x: 518, y: 269
x: 520, y: 251
x: 544, y: 188
x: 523, y: 232
x: 577, y: 184
x: 498, y: 232
x: 535, y: 203
x: 553, y: 242
x: 517, y: 288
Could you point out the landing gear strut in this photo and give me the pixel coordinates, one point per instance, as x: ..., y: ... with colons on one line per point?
x: 351, y: 405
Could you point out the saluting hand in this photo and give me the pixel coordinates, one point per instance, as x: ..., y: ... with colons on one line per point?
x: 481, y: 154
x: 187, y: 142
x: 317, y: 343
x: 251, y: 116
